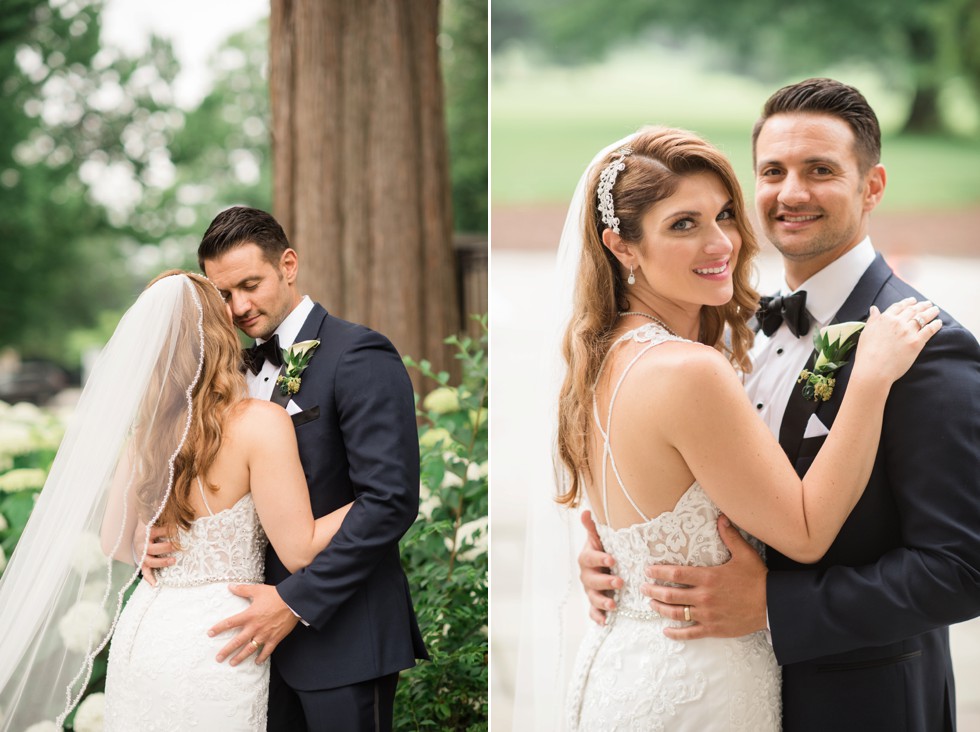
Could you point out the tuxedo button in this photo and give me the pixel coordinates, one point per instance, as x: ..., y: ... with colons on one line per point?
x: 759, y: 405
x: 779, y: 351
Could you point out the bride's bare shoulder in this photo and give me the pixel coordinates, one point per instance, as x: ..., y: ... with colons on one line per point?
x: 673, y: 372
x: 252, y: 415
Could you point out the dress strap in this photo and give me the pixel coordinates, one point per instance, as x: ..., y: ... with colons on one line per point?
x: 651, y: 335
x: 203, y: 496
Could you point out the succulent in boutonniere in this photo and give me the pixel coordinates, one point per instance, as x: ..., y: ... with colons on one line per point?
x: 832, y: 343
x: 296, y: 358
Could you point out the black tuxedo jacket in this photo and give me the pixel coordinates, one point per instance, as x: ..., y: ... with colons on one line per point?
x: 862, y: 635
x: 358, y: 441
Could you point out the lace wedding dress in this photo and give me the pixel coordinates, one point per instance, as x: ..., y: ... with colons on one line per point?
x: 162, y: 671
x: 628, y: 675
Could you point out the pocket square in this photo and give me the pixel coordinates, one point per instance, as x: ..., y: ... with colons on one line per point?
x: 293, y: 408
x: 815, y: 428
x: 306, y: 416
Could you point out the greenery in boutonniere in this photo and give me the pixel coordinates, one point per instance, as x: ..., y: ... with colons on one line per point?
x: 832, y: 343
x: 296, y: 358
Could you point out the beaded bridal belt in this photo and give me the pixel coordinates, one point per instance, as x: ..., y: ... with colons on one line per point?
x: 199, y: 581
x: 632, y: 614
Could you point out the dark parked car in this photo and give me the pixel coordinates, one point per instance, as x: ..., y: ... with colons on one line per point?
x: 33, y: 381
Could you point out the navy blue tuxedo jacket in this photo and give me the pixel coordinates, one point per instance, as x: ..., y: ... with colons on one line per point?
x: 358, y: 441
x: 862, y: 635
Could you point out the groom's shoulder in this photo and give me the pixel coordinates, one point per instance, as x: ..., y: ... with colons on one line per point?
x: 344, y: 333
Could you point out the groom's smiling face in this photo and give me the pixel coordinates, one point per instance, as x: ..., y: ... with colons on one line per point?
x: 259, y: 294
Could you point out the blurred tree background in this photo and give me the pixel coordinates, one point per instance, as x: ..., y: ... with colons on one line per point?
x: 106, y: 180
x: 570, y: 75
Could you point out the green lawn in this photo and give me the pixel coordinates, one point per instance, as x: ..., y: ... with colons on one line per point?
x: 547, y: 123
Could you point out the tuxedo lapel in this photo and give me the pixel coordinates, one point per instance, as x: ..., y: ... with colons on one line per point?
x: 797, y: 414
x: 277, y: 396
x: 855, y: 308
x: 308, y: 332
x: 865, y: 292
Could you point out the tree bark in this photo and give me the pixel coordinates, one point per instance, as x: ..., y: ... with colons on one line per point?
x: 924, y: 116
x: 360, y: 166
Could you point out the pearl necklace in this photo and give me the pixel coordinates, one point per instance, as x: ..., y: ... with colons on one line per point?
x: 654, y: 318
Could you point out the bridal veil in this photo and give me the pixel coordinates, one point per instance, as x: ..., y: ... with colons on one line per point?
x: 553, y: 608
x: 63, y: 589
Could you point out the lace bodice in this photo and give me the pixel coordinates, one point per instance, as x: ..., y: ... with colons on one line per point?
x: 162, y: 675
x: 228, y: 546
x: 686, y: 536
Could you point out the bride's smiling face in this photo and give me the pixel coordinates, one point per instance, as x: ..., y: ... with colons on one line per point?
x: 259, y: 294
x: 690, y: 243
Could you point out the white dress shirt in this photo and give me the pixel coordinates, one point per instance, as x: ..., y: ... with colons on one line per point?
x: 260, y: 385
x: 778, y: 359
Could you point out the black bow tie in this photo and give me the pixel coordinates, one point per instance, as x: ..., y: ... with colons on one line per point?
x: 791, y: 309
x: 258, y: 354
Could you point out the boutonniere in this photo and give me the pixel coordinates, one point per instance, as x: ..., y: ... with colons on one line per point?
x: 296, y: 358
x: 832, y: 343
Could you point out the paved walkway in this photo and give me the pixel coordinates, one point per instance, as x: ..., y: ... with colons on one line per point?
x: 520, y: 445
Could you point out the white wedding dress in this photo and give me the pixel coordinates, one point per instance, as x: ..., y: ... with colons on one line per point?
x: 162, y: 671
x: 628, y: 675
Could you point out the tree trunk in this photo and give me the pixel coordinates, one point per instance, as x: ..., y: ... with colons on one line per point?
x: 361, y: 181
x: 924, y: 116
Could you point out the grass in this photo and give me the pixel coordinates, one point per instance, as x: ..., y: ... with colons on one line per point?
x: 547, y: 122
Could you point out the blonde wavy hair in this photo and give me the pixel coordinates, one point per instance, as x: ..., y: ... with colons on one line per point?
x: 220, y: 387
x: 661, y: 157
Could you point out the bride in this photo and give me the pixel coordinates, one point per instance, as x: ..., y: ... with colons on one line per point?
x: 655, y: 431
x: 164, y: 435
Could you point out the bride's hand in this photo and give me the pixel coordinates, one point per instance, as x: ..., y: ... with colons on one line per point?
x: 158, y: 553
x: 893, y: 339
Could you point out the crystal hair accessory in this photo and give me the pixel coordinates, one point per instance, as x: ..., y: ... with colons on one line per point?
x: 607, y: 179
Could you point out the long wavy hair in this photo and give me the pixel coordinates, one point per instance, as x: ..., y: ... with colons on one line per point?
x: 220, y: 387
x: 661, y: 158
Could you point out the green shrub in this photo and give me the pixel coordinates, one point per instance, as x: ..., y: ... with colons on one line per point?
x: 445, y: 553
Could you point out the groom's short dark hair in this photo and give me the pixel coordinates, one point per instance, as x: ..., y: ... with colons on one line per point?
x: 240, y: 225
x: 833, y: 98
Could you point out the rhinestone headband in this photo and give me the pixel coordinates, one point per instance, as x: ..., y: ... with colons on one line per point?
x: 606, y: 182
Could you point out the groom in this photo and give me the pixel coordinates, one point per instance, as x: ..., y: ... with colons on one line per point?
x: 862, y: 635
x: 343, y: 627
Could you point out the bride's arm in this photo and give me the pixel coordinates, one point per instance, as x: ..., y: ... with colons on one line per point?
x: 741, y: 465
x: 119, y: 523
x: 279, y: 488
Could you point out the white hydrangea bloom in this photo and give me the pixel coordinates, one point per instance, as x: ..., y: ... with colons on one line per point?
x: 90, y: 716
x: 46, y: 726
x: 22, y: 479
x: 3, y: 559
x: 441, y: 400
x: 88, y: 555
x: 473, y: 534
x: 427, y: 502
x: 85, y: 622
x: 3, y: 523
x: 451, y: 480
x: 15, y: 437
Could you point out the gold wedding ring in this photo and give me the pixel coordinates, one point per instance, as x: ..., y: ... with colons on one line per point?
x: 255, y: 645
x: 687, y: 613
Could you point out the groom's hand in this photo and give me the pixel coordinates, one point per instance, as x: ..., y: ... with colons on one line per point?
x: 266, y: 622
x: 726, y: 601
x: 594, y: 566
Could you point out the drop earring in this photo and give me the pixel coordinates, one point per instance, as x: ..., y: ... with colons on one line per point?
x: 631, y: 280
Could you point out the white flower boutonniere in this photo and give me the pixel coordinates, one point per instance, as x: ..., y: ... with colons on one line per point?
x: 296, y: 358
x: 833, y: 343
